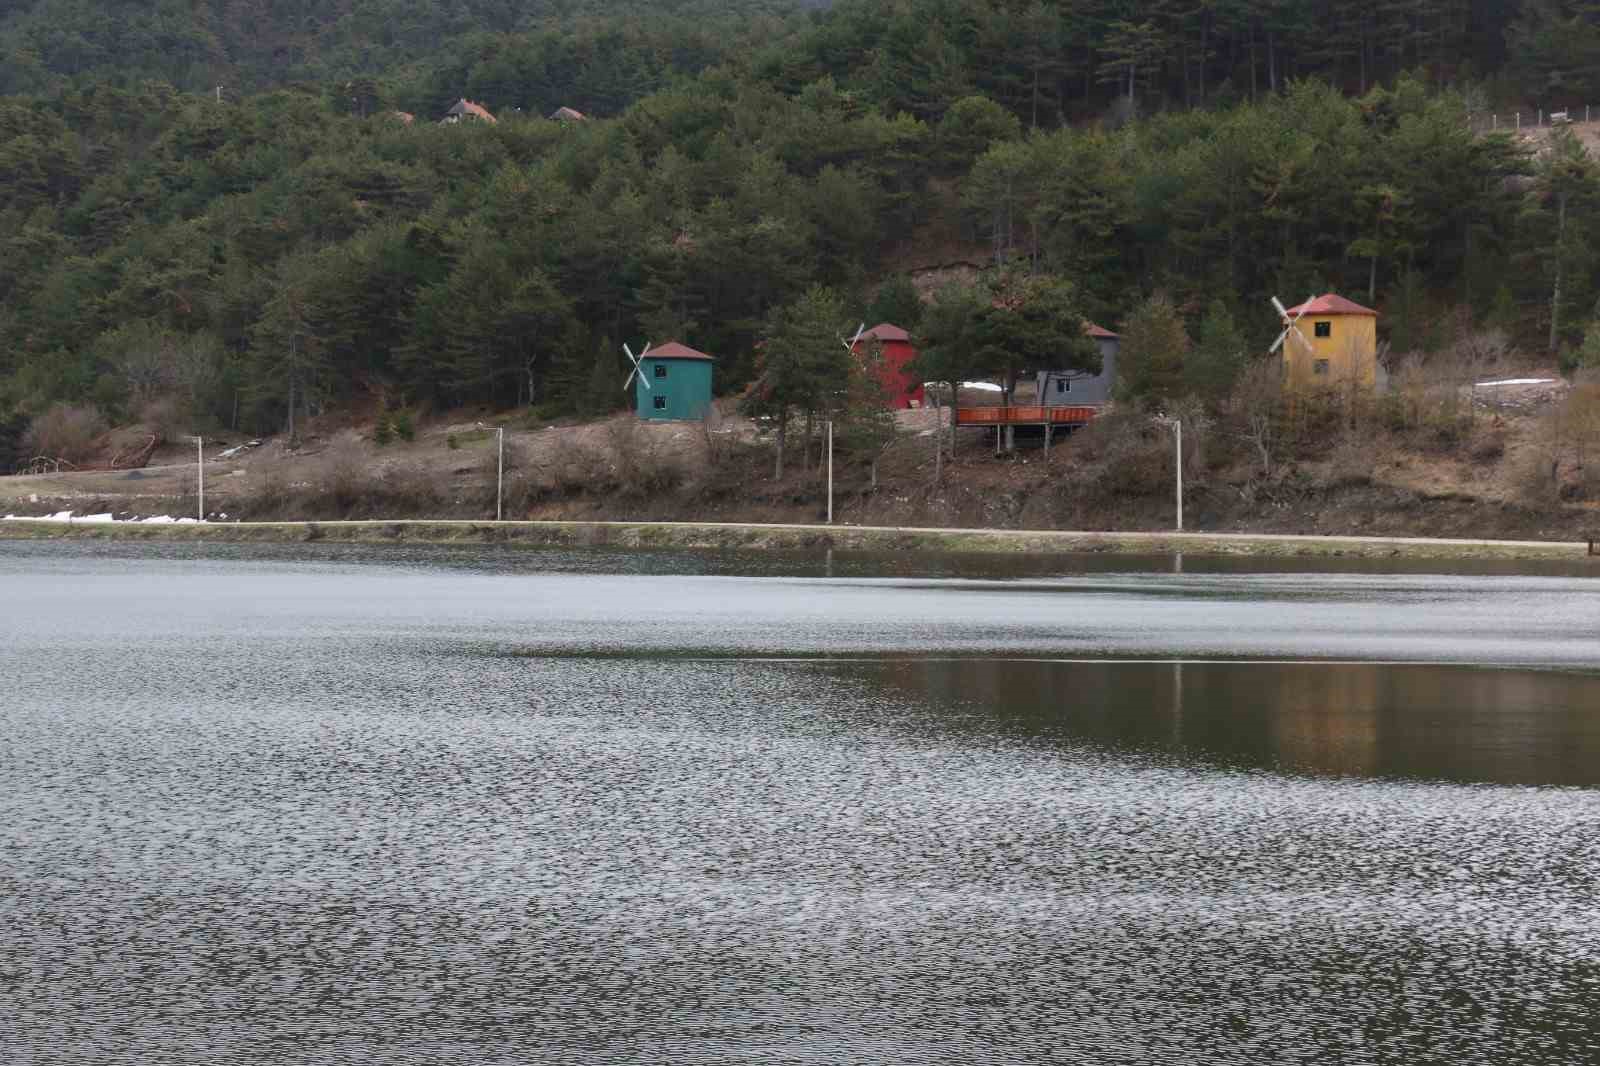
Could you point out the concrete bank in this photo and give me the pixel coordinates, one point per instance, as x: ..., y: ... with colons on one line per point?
x: 772, y: 537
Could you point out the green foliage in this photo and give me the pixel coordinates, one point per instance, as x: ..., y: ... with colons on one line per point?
x: 970, y: 127
x: 1218, y: 357
x: 1003, y: 325
x: 1152, y: 356
x: 804, y: 365
x: 1032, y: 321
x: 866, y: 425
x: 296, y: 245
x: 896, y: 302
x: 948, y: 342
x: 1586, y: 355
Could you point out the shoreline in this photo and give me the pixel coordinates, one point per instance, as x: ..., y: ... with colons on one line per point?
x: 791, y: 537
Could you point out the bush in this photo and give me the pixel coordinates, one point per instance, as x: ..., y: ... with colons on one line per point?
x: 404, y: 427
x: 383, y: 432
x: 641, y: 470
x: 67, y: 432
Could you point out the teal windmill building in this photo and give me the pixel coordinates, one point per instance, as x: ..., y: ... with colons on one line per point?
x: 671, y: 382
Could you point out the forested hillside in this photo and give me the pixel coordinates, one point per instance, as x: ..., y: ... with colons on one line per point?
x: 237, y: 259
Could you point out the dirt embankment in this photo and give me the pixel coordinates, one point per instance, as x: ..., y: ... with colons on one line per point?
x: 1115, y: 477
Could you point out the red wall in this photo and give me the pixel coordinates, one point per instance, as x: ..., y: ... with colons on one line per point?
x: 901, y: 386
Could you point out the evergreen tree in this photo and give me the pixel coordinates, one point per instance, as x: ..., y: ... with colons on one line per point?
x: 1153, y: 351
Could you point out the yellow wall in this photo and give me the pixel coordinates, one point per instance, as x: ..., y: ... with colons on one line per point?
x: 1351, y: 351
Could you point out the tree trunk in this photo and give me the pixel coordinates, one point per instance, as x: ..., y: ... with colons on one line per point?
x: 1272, y: 62
x: 1252, y: 62
x: 805, y: 446
x: 1555, y: 295
x: 1372, y: 279
x: 955, y: 399
x: 783, y: 432
x: 1362, y: 52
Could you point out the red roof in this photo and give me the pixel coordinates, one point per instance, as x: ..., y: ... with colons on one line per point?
x: 1098, y: 331
x: 674, y: 350
x: 883, y: 331
x: 1330, y: 304
x: 464, y: 108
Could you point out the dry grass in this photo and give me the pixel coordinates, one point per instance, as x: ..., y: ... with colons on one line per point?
x: 67, y: 432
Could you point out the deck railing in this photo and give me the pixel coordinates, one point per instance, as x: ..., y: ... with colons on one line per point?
x: 1025, y: 415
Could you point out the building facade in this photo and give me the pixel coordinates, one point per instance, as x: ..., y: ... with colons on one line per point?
x: 1337, y: 347
x: 673, y: 384
x: 1074, y: 388
x: 902, y: 388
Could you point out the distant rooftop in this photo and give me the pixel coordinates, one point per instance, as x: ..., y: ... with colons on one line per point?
x: 465, y: 108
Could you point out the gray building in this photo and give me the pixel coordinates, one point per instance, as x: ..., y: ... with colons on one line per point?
x: 1072, y: 388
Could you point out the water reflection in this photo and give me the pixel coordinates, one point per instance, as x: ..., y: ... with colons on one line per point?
x: 1449, y: 723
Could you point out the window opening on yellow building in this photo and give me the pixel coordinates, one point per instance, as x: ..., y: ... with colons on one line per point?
x: 1320, y: 368
x: 1324, y: 329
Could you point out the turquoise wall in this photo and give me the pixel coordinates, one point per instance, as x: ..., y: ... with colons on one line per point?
x: 686, y: 389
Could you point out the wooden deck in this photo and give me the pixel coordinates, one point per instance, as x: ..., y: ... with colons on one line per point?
x: 1025, y: 415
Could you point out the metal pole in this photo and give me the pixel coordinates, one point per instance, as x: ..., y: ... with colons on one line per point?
x: 200, y: 468
x: 500, y: 474
x: 1178, y: 426
x: 830, y: 471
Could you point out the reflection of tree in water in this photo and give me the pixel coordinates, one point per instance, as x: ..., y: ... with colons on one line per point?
x: 1347, y: 719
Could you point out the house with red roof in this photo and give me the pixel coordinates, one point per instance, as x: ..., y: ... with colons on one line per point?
x: 1337, y: 345
x: 901, y: 386
x: 673, y: 383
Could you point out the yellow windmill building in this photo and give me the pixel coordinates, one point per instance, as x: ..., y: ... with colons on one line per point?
x: 1328, y: 341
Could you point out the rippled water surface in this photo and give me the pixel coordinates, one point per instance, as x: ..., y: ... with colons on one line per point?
x: 322, y: 805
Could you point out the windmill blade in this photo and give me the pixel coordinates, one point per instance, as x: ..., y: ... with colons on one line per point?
x: 638, y: 368
x: 1282, y: 312
x: 1304, y: 306
x: 1281, y: 338
x: 850, y: 345
x: 1301, y: 337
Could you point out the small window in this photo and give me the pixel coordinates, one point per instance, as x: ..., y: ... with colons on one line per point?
x: 1320, y: 368
x: 1063, y: 385
x: 661, y: 401
x: 1324, y: 329
x: 661, y: 370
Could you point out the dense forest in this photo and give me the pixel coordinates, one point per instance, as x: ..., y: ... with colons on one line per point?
x: 295, y: 240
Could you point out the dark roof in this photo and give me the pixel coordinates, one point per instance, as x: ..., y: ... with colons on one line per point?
x: 883, y: 331
x: 674, y: 350
x: 1330, y: 304
x: 1098, y: 331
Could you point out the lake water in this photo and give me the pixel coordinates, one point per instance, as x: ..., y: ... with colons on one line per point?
x: 316, y: 804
